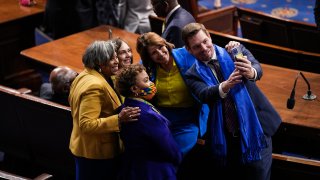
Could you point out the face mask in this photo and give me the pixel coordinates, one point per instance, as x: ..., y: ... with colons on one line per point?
x: 149, y: 92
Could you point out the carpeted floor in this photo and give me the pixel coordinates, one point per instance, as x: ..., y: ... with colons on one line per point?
x: 300, y: 10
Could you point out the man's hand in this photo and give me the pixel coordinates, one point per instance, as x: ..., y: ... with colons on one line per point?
x: 234, y: 78
x: 245, y: 68
x: 231, y: 45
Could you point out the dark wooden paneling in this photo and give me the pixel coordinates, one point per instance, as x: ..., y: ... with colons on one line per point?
x: 36, y: 133
x: 274, y: 30
x: 16, y: 34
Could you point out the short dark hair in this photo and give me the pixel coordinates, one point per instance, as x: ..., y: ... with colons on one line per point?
x: 190, y: 30
x: 127, y: 78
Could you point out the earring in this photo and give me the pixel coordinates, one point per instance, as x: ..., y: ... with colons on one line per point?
x: 136, y: 94
x: 99, y: 70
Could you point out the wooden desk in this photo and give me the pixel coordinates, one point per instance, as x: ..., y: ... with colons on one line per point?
x: 277, y: 84
x: 11, y: 10
x: 299, y: 133
x: 68, y: 51
x: 17, y: 24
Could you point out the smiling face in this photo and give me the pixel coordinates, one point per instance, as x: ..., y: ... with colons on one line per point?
x: 124, y: 55
x: 111, y: 67
x: 200, y: 46
x: 159, y: 54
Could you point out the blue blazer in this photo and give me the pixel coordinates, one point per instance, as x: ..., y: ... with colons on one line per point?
x: 176, y: 22
x: 268, y: 117
x: 150, y: 150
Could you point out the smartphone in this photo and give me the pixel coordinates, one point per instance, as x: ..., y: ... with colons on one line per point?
x: 236, y: 52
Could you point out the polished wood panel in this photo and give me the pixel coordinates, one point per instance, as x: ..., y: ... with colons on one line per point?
x: 68, y: 51
x: 17, y: 24
x: 277, y: 83
x: 299, y: 132
x: 222, y: 19
x: 11, y: 10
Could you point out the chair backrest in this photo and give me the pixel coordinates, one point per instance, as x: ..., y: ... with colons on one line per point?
x: 191, y: 6
x: 221, y: 20
x: 41, y: 37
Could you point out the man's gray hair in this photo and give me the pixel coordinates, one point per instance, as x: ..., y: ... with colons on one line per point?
x: 98, y: 53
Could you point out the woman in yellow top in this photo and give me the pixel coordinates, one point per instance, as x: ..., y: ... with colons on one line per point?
x: 166, y: 68
x: 94, y: 139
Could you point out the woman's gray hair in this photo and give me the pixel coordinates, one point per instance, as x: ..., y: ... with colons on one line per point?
x: 98, y: 53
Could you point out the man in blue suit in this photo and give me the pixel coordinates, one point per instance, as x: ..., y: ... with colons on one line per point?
x: 241, y: 120
x: 176, y: 19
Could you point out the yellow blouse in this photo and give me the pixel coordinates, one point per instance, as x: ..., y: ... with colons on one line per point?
x: 171, y: 89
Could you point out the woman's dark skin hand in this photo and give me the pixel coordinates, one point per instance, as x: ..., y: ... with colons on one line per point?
x: 128, y: 114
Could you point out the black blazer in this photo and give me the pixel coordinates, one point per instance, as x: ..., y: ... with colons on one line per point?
x: 176, y: 22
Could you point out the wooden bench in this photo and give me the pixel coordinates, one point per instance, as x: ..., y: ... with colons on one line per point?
x: 36, y: 131
x: 263, y: 27
x: 222, y: 20
x: 290, y: 167
x: 297, y: 140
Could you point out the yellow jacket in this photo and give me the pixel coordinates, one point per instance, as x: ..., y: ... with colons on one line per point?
x: 95, y: 132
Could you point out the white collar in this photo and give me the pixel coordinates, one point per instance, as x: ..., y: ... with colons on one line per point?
x: 171, y: 12
x: 214, y: 56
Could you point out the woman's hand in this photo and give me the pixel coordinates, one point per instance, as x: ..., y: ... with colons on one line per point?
x: 128, y: 114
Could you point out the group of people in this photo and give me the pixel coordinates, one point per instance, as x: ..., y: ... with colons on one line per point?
x: 169, y: 116
x: 189, y: 110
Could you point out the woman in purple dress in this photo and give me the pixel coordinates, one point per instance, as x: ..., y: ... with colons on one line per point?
x: 150, y: 153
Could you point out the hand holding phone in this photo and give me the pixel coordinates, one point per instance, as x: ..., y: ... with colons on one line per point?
x: 236, y: 52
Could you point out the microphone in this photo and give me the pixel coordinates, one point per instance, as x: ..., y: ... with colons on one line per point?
x: 110, y: 33
x: 309, y: 96
x: 291, y: 101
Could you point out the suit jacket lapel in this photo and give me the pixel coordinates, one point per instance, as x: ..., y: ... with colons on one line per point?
x: 109, y: 89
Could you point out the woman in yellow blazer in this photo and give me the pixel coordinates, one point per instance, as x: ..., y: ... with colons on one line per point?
x: 94, y: 139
